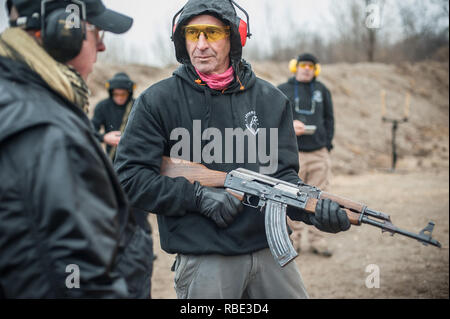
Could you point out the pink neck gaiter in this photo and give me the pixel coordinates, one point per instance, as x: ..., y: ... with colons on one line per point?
x: 217, y: 81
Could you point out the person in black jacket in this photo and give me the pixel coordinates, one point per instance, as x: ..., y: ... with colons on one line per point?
x: 203, y: 113
x: 313, y: 107
x: 66, y: 230
x: 112, y: 113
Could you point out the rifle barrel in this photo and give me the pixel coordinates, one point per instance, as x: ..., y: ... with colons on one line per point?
x: 387, y: 226
x: 377, y: 214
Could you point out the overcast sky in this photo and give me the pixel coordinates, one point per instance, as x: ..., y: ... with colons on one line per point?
x: 153, y: 18
x: 148, y: 41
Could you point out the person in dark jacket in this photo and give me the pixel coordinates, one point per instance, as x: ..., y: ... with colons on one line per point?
x: 112, y: 113
x: 203, y: 113
x: 312, y: 107
x: 66, y: 230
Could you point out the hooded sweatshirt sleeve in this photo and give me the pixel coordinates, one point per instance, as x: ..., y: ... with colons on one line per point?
x: 329, y: 119
x: 138, y: 163
x: 98, y: 120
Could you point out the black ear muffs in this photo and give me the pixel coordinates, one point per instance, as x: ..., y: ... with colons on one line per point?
x: 59, y: 39
x: 62, y: 37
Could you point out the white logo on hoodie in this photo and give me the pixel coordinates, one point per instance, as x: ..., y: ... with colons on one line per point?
x: 252, y: 122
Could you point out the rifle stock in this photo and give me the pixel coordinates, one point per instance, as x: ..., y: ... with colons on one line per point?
x: 173, y: 167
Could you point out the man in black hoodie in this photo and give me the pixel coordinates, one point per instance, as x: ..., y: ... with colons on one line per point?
x: 112, y: 113
x: 313, y: 107
x: 205, y: 110
x: 66, y: 230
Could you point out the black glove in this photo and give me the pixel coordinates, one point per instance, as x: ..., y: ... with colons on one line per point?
x: 217, y: 204
x: 329, y: 217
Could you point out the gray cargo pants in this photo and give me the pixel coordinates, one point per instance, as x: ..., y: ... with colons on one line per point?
x: 254, y: 276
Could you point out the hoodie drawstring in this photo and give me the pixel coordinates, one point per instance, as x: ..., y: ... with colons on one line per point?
x: 242, y: 87
x: 207, y: 116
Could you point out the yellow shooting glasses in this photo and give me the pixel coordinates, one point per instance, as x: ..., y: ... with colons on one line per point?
x: 304, y: 65
x: 212, y: 32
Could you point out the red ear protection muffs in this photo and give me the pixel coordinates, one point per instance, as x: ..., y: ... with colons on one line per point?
x: 243, y: 32
x: 244, y: 27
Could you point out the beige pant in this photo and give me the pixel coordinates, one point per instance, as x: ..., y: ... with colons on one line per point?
x: 315, y: 170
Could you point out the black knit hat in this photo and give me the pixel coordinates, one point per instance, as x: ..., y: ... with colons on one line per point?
x: 307, y: 57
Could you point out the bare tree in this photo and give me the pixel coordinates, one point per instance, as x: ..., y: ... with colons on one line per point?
x: 425, y: 30
x: 423, y: 34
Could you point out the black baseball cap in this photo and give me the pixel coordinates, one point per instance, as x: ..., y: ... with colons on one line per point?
x: 106, y: 19
x: 96, y: 14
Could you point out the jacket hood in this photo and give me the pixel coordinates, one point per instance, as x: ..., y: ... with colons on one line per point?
x: 120, y: 80
x: 221, y: 9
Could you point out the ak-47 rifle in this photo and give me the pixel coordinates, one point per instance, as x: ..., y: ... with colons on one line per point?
x: 274, y: 195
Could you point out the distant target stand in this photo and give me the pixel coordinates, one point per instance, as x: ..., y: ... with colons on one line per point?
x: 395, y: 122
